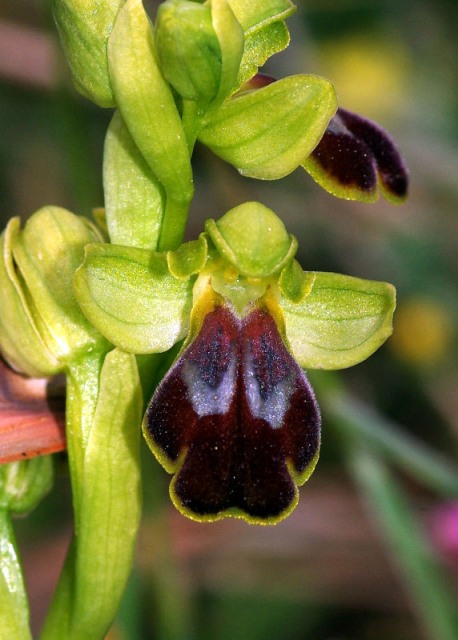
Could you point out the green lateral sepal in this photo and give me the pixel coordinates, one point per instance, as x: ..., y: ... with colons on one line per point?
x: 131, y: 297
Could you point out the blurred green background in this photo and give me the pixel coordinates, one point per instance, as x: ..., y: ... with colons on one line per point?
x: 372, y: 550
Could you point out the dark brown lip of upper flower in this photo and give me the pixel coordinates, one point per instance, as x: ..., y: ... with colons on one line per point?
x: 355, y: 151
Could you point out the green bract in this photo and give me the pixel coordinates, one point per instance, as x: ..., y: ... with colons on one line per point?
x: 24, y: 483
x: 148, y: 109
x: 40, y: 310
x: 142, y: 300
x: 128, y: 179
x: 188, y: 49
x: 267, y: 133
x: 84, y: 27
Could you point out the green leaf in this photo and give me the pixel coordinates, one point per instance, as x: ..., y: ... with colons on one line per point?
x: 341, y: 322
x: 134, y: 198
x: 84, y: 27
x: 132, y: 299
x: 267, y: 133
x: 47, y: 253
x: 146, y: 103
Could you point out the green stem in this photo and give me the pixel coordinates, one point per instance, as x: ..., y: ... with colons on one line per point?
x: 352, y: 417
x: 416, y: 563
x: 14, y: 609
x: 173, y: 225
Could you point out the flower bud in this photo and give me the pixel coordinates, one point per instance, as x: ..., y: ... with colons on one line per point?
x: 36, y: 294
x: 188, y: 49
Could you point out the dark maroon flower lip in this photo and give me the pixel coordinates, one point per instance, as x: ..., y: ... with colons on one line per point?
x: 354, y: 155
x: 237, y: 420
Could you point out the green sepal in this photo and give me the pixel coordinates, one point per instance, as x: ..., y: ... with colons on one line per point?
x: 253, y: 239
x: 84, y: 27
x: 47, y: 252
x: 188, y: 49
x: 131, y: 297
x: 21, y: 343
x: 340, y: 322
x: 267, y: 133
x: 231, y: 41
x: 134, y: 197
x: 189, y: 259
x: 146, y: 103
x: 295, y: 283
x: 23, y: 484
x: 264, y: 29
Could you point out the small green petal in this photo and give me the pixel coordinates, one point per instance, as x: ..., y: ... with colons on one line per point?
x: 260, y: 46
x: 189, y: 259
x: 267, y: 133
x: 341, y: 322
x: 231, y: 40
x: 130, y: 296
x: 256, y: 14
x: 294, y: 283
x: 265, y: 32
x: 253, y: 239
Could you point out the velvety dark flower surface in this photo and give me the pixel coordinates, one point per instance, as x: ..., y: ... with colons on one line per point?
x: 354, y: 156
x: 236, y: 419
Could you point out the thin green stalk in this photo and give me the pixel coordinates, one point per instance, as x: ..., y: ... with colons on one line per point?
x: 416, y: 563
x: 14, y: 609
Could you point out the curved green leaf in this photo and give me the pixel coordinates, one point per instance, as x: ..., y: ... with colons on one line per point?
x: 340, y: 322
